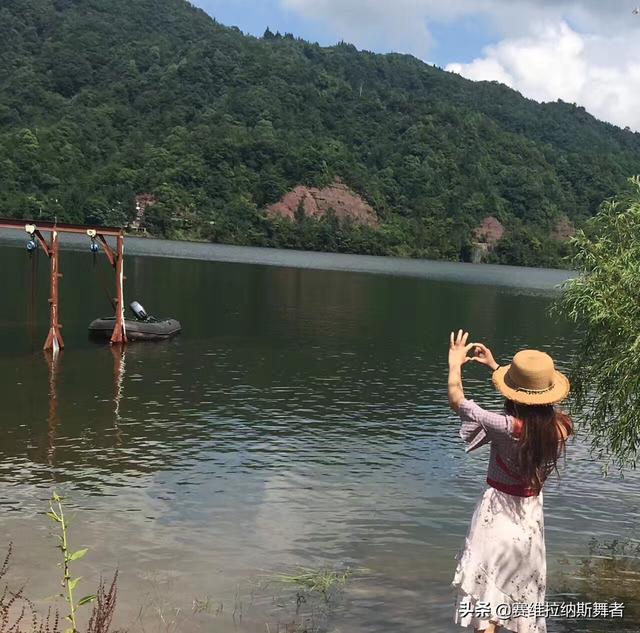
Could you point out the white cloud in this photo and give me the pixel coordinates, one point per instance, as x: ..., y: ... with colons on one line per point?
x: 373, y: 25
x: 556, y: 62
x: 582, y: 51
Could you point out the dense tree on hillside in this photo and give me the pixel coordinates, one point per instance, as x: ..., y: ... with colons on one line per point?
x: 104, y: 99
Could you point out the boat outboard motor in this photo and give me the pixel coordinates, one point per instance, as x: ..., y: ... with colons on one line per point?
x: 139, y: 311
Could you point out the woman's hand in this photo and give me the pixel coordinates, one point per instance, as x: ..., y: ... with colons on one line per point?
x: 458, y: 349
x: 483, y: 355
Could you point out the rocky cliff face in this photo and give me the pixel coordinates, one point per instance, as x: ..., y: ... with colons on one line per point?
x: 486, y: 236
x: 490, y: 231
x: 315, y: 203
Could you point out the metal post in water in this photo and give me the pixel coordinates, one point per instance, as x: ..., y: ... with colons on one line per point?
x: 119, y: 331
x: 54, y: 340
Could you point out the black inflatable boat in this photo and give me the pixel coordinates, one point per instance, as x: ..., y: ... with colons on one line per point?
x: 143, y: 328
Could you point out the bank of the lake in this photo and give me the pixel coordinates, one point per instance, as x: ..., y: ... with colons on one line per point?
x: 490, y: 274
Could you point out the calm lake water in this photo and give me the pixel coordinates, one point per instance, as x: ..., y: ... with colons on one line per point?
x: 300, y: 420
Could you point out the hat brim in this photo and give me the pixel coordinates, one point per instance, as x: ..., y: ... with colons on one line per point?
x: 558, y: 392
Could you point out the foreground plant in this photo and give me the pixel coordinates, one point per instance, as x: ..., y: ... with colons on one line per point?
x: 315, y: 592
x: 609, y: 571
x: 69, y: 584
x: 316, y: 581
x: 18, y: 613
x: 104, y: 607
x: 105, y: 599
x: 603, y: 302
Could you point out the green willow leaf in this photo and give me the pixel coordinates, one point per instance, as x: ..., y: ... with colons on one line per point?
x: 604, y: 306
x: 86, y: 600
x: 73, y: 583
x: 78, y: 554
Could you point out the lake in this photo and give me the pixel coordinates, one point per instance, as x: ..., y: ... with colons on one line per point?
x: 300, y: 420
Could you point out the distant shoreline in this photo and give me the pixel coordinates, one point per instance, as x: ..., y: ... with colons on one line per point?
x: 483, y: 274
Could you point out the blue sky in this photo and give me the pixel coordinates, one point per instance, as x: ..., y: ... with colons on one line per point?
x: 458, y: 41
x: 580, y: 51
x: 254, y: 17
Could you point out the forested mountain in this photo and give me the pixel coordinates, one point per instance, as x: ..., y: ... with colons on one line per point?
x: 103, y: 100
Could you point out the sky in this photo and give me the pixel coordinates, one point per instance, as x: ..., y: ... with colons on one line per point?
x: 581, y: 51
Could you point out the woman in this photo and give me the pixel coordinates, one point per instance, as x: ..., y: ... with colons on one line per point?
x: 501, y: 573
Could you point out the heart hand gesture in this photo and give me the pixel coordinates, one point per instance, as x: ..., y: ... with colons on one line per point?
x: 458, y: 349
x: 483, y: 355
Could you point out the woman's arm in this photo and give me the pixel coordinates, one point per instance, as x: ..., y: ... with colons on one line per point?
x: 456, y: 391
x: 458, y: 349
x: 479, y: 427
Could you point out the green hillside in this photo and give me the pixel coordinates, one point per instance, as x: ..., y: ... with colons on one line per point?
x: 101, y: 100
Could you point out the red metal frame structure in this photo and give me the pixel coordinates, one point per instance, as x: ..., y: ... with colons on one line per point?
x: 54, y: 340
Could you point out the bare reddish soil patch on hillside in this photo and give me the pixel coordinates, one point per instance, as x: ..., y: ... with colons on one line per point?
x: 315, y: 203
x: 490, y: 231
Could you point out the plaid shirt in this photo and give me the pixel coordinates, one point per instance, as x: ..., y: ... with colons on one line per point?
x: 480, y: 427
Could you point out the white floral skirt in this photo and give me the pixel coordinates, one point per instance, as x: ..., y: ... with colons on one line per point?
x: 503, y: 562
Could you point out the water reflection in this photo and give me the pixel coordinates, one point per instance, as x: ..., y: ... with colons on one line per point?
x: 53, y: 358
x: 119, y: 354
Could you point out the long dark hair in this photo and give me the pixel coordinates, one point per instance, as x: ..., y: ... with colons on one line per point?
x: 542, y: 440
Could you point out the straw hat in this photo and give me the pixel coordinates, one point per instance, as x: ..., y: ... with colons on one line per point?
x: 531, y: 378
